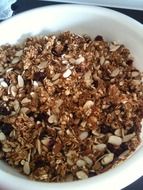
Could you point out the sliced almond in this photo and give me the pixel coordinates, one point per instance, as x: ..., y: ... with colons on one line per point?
x: 115, y: 140
x: 26, y: 168
x: 107, y: 159
x: 20, y: 81
x: 67, y: 73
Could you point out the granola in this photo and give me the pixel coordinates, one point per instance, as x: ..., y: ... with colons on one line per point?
x: 70, y: 107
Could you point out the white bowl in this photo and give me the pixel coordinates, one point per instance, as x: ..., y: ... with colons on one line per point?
x: 82, y: 20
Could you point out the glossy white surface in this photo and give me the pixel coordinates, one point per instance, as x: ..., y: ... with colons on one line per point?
x: 82, y: 20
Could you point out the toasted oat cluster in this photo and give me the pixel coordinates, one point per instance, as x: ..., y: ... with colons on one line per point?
x: 70, y: 107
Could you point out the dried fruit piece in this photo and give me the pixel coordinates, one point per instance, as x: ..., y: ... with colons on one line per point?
x: 6, y: 128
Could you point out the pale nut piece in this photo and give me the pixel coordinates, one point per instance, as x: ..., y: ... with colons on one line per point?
x: 115, y: 72
x: 118, y: 132
x: 81, y: 175
x: 88, y: 105
x: 2, y: 136
x: 100, y: 147
x: 26, y: 168
x: 80, y: 163
x: 128, y: 137
x: 115, y: 140
x: 88, y: 160
x: 107, y: 159
x: 79, y: 60
x: 15, y: 60
x: 53, y: 119
x: 43, y: 65
x: 3, y: 84
x: 19, y: 53
x: 83, y: 135
x: 67, y: 73
x: 20, y: 81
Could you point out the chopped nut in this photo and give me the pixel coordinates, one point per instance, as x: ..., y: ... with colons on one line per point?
x: 67, y: 73
x: 16, y: 106
x: 39, y: 146
x: 19, y: 53
x: 135, y: 73
x: 6, y: 149
x: 128, y: 137
x: 15, y: 60
x: 25, y: 101
x: 52, y: 119
x: 115, y: 72
x: 42, y: 65
x: 79, y: 60
x: 2, y: 136
x: 88, y: 78
x: 83, y: 135
x: 88, y: 105
x: 4, y: 84
x: 13, y: 91
x: 69, y: 105
x: 56, y: 76
x: 80, y: 163
x: 26, y: 168
x: 100, y: 147
x: 118, y: 132
x: 115, y: 140
x: 114, y: 47
x: 81, y: 175
x: 107, y: 159
x: 20, y: 81
x: 88, y: 160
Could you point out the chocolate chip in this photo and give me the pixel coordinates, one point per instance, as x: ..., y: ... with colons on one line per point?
x: 39, y: 76
x: 106, y: 129
x: 98, y: 38
x: 30, y: 114
x: 6, y: 128
x: 4, y: 111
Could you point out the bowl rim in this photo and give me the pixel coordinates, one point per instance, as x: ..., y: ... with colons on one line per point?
x: 113, y: 176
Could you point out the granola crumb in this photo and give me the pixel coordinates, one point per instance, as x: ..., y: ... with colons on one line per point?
x: 70, y: 107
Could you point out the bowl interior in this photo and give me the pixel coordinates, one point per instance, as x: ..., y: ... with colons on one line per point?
x: 81, y: 20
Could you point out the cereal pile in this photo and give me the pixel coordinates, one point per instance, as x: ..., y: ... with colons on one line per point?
x: 70, y: 107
